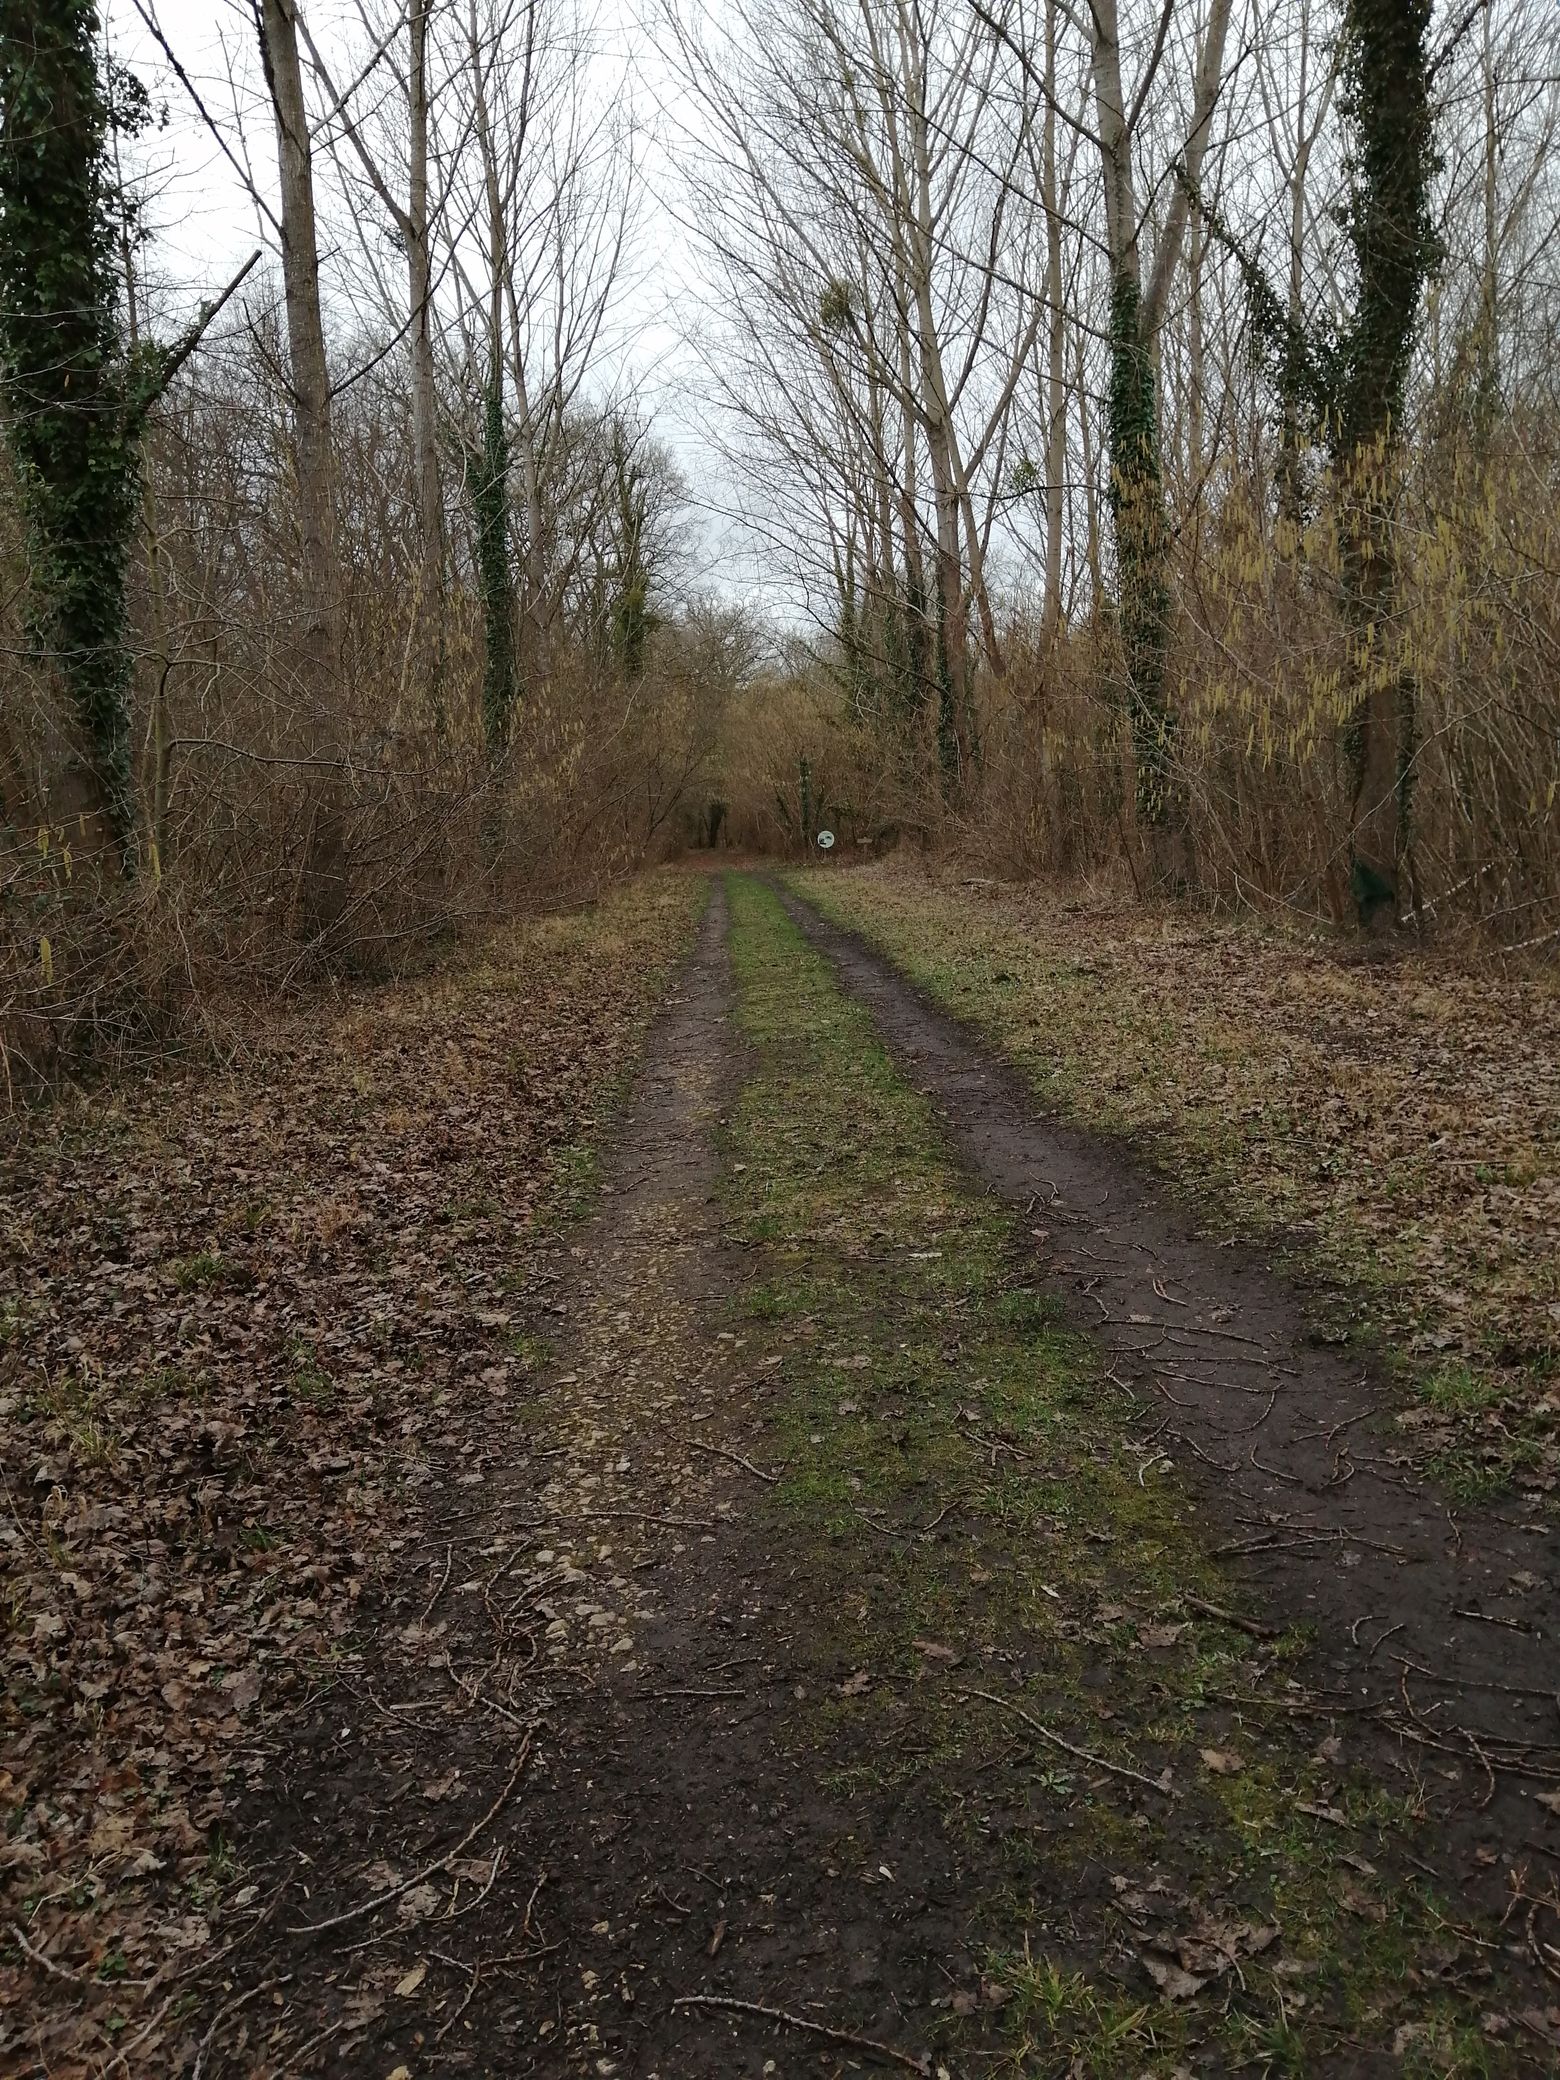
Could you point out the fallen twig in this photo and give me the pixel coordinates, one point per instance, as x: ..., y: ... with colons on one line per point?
x: 1217, y: 1610
x: 641, y: 1516
x: 444, y: 1580
x: 657, y: 1695
x: 1116, y: 1769
x: 1266, y: 1544
x: 1489, y: 1618
x: 474, y: 1972
x: 1544, y: 1954
x: 728, y: 2004
x: 719, y: 1451
x: 1551, y: 1696
x: 452, y: 1914
x: 1192, y: 1445
x: 383, y: 1899
x: 1274, y: 1472
x: 230, y: 2008
x: 55, y: 1971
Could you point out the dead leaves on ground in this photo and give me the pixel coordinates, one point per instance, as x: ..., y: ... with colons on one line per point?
x: 250, y: 1315
x: 1183, y: 1945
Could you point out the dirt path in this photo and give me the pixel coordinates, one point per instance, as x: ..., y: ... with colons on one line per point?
x: 602, y: 1678
x: 826, y: 1662
x: 1439, y: 1628
x: 505, y: 1682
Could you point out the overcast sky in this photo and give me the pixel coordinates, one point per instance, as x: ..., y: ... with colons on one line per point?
x: 204, y: 223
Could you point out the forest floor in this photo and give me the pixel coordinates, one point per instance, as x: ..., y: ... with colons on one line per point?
x: 799, y: 1559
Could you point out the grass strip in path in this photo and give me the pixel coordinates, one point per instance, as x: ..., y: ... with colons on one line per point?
x: 1167, y: 1857
x: 1397, y: 1122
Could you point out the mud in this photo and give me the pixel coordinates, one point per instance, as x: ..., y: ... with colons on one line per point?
x: 1435, y: 1628
x: 667, y: 1835
x: 577, y: 1777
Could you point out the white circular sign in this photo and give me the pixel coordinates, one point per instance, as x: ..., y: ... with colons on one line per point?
x: 826, y: 840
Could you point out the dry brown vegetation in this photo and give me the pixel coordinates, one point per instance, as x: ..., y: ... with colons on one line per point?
x: 239, y: 763
x: 1200, y: 535
x: 1264, y: 681
x: 1127, y: 501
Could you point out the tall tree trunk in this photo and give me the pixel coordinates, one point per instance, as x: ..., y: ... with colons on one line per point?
x: 887, y: 624
x: 491, y: 492
x: 919, y: 676
x: 1137, y: 499
x: 425, y: 427
x: 1195, y: 391
x: 539, y: 604
x: 1137, y: 506
x: 980, y: 591
x: 1055, y: 348
x: 1136, y: 490
x: 1291, y: 491
x: 69, y: 418
x: 323, y: 879
x: 491, y: 499
x: 161, y: 662
x: 952, y: 618
x: 1387, y: 72
x: 1308, y: 126
x: 952, y: 628
x: 1486, y: 390
x: 1093, y: 530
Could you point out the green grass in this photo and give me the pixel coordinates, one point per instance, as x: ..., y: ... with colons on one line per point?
x: 1239, y: 1102
x: 310, y: 1382
x: 199, y: 1273
x: 958, y: 1475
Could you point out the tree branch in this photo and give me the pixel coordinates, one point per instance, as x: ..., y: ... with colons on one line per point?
x: 171, y: 359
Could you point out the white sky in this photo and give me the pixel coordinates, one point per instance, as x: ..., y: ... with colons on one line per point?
x: 204, y: 223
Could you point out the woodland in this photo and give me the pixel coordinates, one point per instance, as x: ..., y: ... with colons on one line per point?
x: 780, y: 1139
x: 1126, y: 443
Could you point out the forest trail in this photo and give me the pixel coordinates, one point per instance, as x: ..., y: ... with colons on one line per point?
x: 926, y: 1610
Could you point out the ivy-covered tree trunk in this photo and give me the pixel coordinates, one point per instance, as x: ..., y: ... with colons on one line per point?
x: 490, y: 497
x: 632, y: 620
x: 1136, y: 494
x: 430, y: 632
x: 1350, y: 381
x: 70, y: 414
x: 490, y: 483
x: 1137, y: 505
x: 1387, y: 84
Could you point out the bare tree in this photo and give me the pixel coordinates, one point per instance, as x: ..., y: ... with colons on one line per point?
x: 860, y: 197
x: 323, y: 880
x: 414, y: 221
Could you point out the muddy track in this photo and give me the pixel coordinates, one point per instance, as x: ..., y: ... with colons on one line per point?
x: 592, y: 1763
x: 1437, y: 1628
x: 594, y: 1677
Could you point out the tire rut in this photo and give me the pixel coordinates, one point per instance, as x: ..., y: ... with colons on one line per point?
x: 1435, y: 1627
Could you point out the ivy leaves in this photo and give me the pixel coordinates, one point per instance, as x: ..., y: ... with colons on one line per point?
x: 75, y: 400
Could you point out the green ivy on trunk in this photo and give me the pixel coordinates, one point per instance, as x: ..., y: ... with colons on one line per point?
x: 74, y: 400
x: 1137, y: 508
x: 490, y: 497
x: 1350, y: 382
